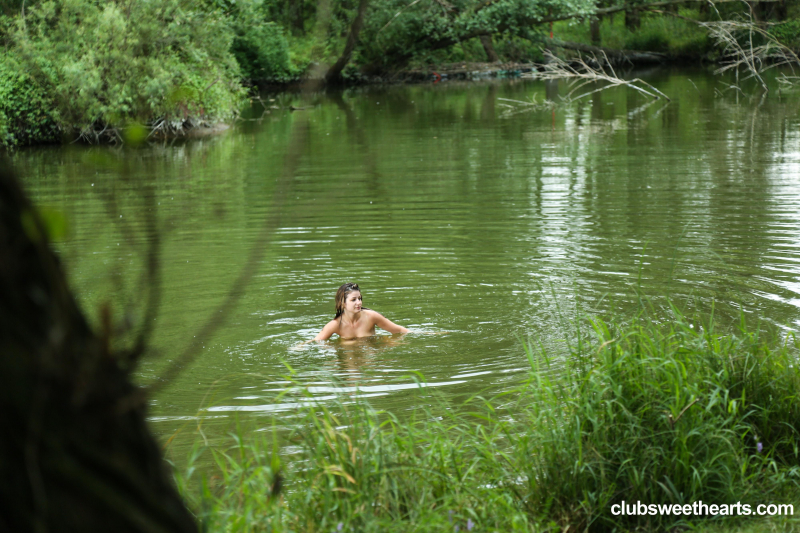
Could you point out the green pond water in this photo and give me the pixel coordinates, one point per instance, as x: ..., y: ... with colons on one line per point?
x: 472, y: 223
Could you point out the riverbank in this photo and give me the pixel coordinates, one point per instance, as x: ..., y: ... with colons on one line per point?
x: 636, y: 412
x: 174, y: 61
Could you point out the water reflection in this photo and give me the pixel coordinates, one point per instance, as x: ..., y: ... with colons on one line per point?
x: 355, y: 355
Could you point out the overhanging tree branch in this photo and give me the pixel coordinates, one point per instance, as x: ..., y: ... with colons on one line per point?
x: 580, y: 71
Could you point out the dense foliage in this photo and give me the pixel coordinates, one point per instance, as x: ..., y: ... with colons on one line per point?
x: 259, y: 44
x: 101, y: 65
x: 397, y: 33
x: 24, y: 109
x: 429, y: 26
x: 640, y: 413
x: 788, y: 33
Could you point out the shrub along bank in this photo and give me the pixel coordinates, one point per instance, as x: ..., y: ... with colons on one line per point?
x: 89, y: 69
x: 662, y: 415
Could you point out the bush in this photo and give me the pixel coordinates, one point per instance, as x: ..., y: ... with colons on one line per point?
x: 659, y: 415
x: 101, y: 64
x: 262, y: 52
x: 260, y: 47
x: 653, y: 40
x: 23, y: 109
x: 788, y: 33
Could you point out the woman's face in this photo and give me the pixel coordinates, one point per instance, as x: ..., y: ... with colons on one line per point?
x: 352, y: 302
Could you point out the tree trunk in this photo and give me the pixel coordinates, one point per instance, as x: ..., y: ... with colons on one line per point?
x: 780, y: 11
x: 488, y: 47
x: 335, y: 72
x: 764, y: 11
x: 76, y: 454
x: 594, y: 30
x: 632, y: 19
x: 296, y: 13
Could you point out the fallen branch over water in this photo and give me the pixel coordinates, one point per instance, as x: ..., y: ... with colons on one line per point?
x: 754, y: 57
x: 618, y: 56
x: 580, y: 72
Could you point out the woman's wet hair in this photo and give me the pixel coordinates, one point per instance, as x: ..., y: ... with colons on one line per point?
x: 341, y: 297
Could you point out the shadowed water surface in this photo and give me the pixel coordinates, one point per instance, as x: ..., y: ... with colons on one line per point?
x: 471, y: 223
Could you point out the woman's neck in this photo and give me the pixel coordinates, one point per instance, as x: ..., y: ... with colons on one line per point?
x: 351, y: 317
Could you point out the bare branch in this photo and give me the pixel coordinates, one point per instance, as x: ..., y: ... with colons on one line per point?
x: 518, y: 106
x: 271, y: 222
x: 755, y: 58
x: 558, y: 69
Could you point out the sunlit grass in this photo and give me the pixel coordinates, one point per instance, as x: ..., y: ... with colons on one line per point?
x: 638, y: 412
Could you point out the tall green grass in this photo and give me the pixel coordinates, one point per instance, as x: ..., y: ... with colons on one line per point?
x: 641, y: 412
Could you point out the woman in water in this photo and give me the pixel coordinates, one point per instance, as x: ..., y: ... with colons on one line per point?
x: 353, y: 320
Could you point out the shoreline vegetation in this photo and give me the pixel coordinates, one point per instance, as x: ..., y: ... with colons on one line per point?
x: 658, y: 411
x: 128, y: 72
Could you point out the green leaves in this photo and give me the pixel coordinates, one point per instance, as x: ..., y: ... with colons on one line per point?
x: 24, y: 116
x: 260, y: 47
x: 114, y: 63
x: 398, y: 29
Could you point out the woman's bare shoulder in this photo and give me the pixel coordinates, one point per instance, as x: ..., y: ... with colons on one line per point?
x: 329, y: 329
x: 372, y: 313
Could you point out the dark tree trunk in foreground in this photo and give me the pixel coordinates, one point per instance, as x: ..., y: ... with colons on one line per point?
x: 335, y: 72
x: 75, y: 452
x: 488, y: 47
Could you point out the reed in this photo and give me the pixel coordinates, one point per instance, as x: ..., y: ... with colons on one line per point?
x: 640, y: 412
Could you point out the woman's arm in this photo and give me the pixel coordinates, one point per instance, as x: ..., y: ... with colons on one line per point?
x: 384, y: 323
x: 329, y: 329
